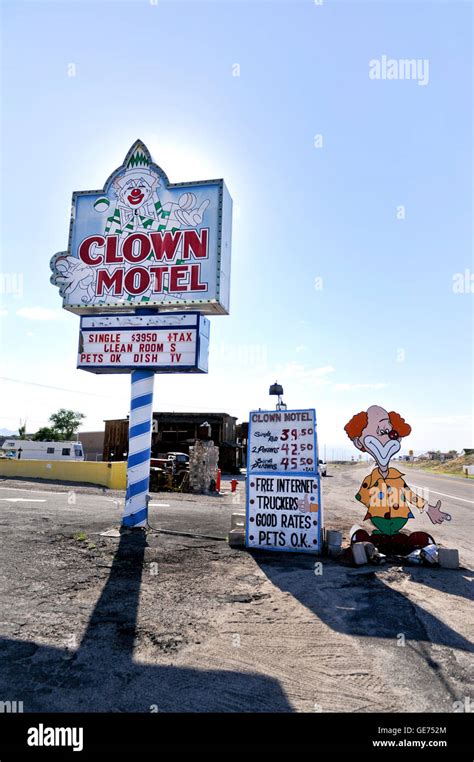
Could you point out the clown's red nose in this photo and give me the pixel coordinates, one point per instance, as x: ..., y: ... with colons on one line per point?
x: 135, y: 192
x: 393, y: 435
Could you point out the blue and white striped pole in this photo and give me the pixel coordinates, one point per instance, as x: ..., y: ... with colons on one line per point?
x: 139, y: 449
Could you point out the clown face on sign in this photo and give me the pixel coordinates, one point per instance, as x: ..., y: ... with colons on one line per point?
x: 384, y: 492
x: 134, y: 192
x: 138, y: 206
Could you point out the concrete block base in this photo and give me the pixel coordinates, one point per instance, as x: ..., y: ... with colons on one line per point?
x: 237, y: 537
x: 448, y: 558
x: 358, y: 553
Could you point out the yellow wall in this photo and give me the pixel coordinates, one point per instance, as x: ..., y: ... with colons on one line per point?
x: 112, y: 475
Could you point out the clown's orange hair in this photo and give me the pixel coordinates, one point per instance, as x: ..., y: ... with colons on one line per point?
x: 356, y: 425
x: 399, y: 424
x: 358, y: 422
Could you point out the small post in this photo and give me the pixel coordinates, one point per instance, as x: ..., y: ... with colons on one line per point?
x: 139, y: 449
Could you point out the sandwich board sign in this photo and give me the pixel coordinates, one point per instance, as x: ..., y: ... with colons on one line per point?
x: 284, y: 506
x: 146, y: 261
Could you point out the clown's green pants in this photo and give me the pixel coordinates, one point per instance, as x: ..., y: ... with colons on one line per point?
x: 387, y: 526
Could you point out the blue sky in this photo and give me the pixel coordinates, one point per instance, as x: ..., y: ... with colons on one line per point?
x: 384, y: 326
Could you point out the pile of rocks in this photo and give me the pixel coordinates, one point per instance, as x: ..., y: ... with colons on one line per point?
x: 203, y: 460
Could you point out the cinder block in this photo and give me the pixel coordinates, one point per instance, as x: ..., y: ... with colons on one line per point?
x: 237, y: 537
x: 334, y: 537
x: 358, y: 553
x: 334, y: 542
x: 448, y: 558
x: 237, y: 520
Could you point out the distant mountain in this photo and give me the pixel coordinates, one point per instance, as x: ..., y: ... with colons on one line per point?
x: 7, y: 432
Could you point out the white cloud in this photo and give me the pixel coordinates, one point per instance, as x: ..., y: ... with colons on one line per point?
x: 3, y: 312
x: 352, y: 387
x: 301, y: 348
x: 40, y: 313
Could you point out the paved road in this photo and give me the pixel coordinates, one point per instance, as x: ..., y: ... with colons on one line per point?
x: 180, y: 623
x: 457, y: 499
x: 453, y: 489
x: 93, y: 510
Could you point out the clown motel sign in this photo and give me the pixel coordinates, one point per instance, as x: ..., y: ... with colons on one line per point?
x: 166, y: 343
x: 284, y: 506
x: 146, y: 260
x: 142, y: 241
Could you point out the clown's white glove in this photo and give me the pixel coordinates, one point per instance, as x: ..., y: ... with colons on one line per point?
x: 190, y: 218
x: 71, y: 274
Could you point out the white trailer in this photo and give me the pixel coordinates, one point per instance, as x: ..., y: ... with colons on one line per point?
x: 28, y: 449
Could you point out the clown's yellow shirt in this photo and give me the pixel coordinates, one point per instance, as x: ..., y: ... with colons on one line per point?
x: 388, y: 497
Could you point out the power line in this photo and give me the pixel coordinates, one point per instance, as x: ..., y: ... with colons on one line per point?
x: 56, y: 388
x: 185, y: 406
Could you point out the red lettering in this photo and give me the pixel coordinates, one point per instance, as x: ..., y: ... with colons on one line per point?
x: 165, y: 244
x: 195, y: 275
x: 158, y: 273
x: 111, y: 245
x: 107, y: 281
x: 137, y: 280
x: 177, y: 273
x: 195, y: 244
x: 136, y: 247
x: 85, y: 250
x: 91, y: 358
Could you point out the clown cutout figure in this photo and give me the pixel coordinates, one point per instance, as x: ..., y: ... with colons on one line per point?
x: 389, y: 500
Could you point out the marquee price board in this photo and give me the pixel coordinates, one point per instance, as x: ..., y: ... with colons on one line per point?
x: 282, y: 441
x: 166, y: 343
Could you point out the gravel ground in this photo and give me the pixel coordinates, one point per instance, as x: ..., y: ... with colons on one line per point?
x: 164, y: 623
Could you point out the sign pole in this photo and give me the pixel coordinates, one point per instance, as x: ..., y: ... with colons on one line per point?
x: 139, y: 449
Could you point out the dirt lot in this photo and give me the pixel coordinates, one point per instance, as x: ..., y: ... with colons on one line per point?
x: 169, y: 623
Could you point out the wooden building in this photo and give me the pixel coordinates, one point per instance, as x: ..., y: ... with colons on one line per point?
x: 176, y: 432
x: 92, y: 444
